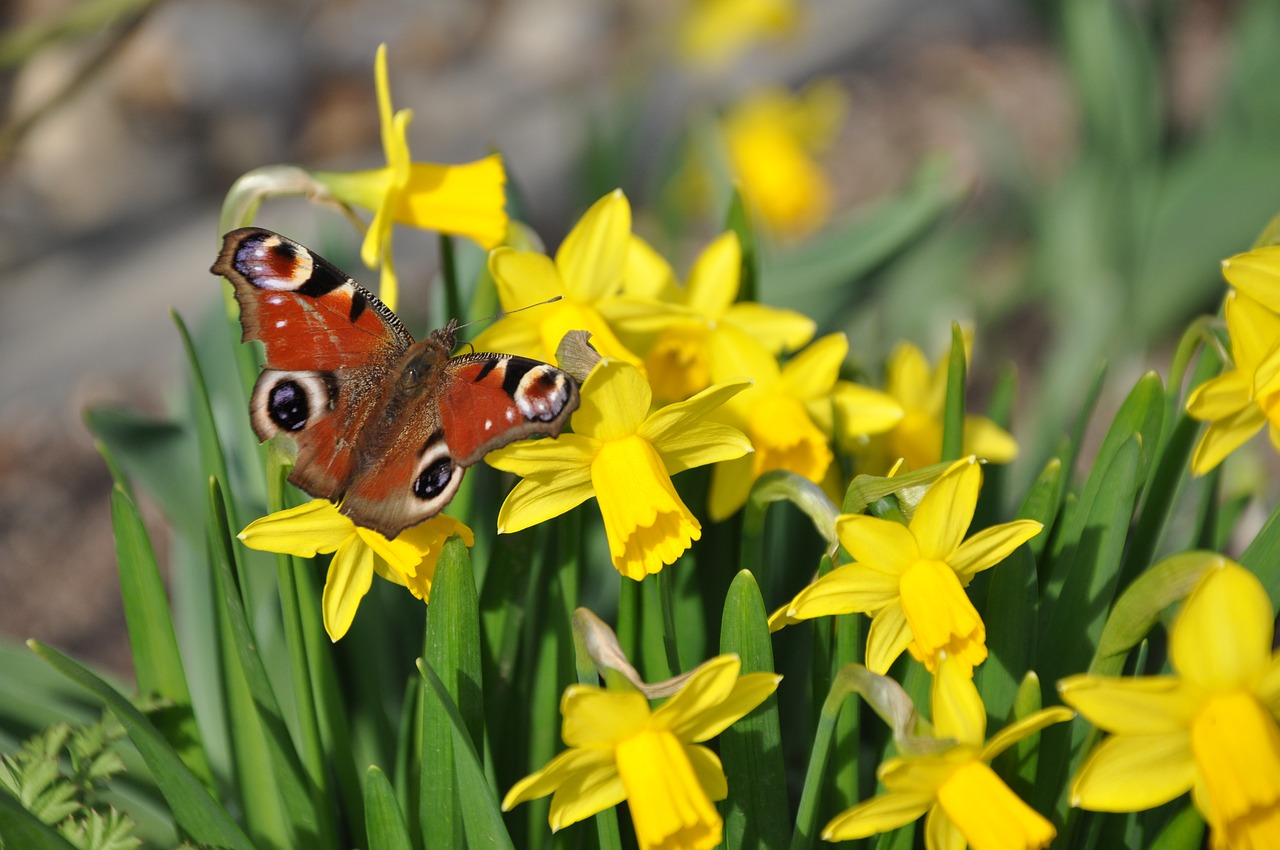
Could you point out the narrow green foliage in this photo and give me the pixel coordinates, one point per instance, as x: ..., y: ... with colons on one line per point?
x: 481, y: 817
x: 199, y: 815
x: 452, y: 651
x: 384, y: 821
x: 739, y: 221
x: 751, y: 750
x: 953, y: 409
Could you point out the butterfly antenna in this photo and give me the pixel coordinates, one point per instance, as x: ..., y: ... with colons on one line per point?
x: 551, y: 300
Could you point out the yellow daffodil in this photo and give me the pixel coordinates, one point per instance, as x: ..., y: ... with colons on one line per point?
x: 912, y: 578
x: 1210, y: 728
x: 1240, y: 401
x: 786, y: 412
x: 318, y: 528
x: 682, y: 326
x: 587, y: 270
x: 917, y: 438
x: 625, y: 457
x: 465, y: 200
x: 967, y: 803
x: 621, y: 749
x: 714, y: 32
x: 771, y: 140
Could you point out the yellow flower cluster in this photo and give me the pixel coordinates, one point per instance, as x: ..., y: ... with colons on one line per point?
x: 1246, y: 397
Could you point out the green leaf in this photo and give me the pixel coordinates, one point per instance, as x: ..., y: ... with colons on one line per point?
x: 739, y: 221
x: 1262, y: 556
x: 481, y: 816
x: 1010, y: 618
x: 156, y: 659
x: 453, y: 652
x: 806, y: 277
x: 195, y: 811
x: 278, y: 756
x: 751, y: 749
x: 953, y: 412
x: 384, y: 821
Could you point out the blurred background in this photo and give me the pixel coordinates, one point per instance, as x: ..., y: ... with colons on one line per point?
x: 1064, y: 175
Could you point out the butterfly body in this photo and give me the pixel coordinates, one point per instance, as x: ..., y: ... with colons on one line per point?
x: 384, y: 425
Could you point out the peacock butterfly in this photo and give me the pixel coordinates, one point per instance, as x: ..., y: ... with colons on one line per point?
x: 384, y: 425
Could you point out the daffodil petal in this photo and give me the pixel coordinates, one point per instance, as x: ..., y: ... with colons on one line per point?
x: 1133, y: 706
x: 958, y: 711
x: 708, y: 686
x: 987, y: 440
x: 531, y: 457
x: 466, y: 199
x: 1256, y: 273
x: 943, y: 515
x: 593, y: 256
x: 542, y: 782
x: 1223, y: 436
x: 1221, y: 396
x: 586, y: 793
x: 516, y: 333
x: 1253, y: 329
x: 850, y: 589
x: 349, y: 578
x: 382, y: 88
x: 615, y: 401
x: 523, y: 278
x: 862, y: 410
x: 777, y: 329
x: 713, y: 281
x: 1129, y: 773
x: 730, y: 484
x: 1222, y: 636
x: 909, y: 380
x: 709, y: 770
x: 648, y: 275
x: 1024, y: 728
x: 879, y: 814
x: 887, y: 638
x: 306, y: 531
x: 991, y: 546
x: 886, y: 545
x: 684, y: 441
x: 595, y: 717
x: 539, y: 498
x: 813, y: 372
x: 940, y: 832
x: 747, y: 693
x: 735, y: 355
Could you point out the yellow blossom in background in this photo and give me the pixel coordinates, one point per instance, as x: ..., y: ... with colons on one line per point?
x: 1210, y: 728
x: 1239, y: 402
x: 911, y: 578
x: 624, y: 457
x: 967, y: 803
x: 715, y: 32
x: 781, y: 412
x: 318, y: 528
x: 771, y: 140
x: 464, y: 200
x: 917, y: 438
x: 587, y: 269
x: 683, y: 321
x: 621, y: 749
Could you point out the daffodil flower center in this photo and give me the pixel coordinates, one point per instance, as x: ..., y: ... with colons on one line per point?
x: 647, y: 523
x: 940, y: 615
x: 988, y: 814
x: 785, y: 438
x: 1236, y: 744
x: 678, y: 365
x: 668, y: 805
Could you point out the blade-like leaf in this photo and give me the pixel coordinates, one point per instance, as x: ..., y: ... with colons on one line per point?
x: 195, y: 811
x: 751, y: 749
x: 384, y: 821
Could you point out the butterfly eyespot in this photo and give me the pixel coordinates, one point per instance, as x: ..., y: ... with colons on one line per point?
x: 434, y: 479
x: 287, y: 405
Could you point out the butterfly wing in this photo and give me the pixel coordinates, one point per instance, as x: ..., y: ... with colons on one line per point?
x: 471, y: 405
x: 331, y: 346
